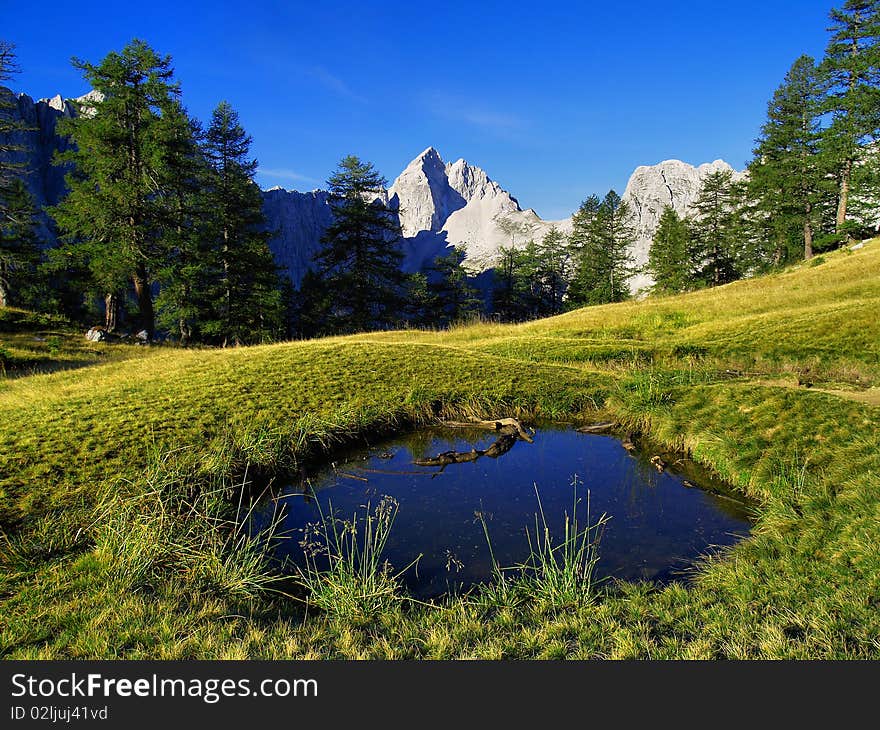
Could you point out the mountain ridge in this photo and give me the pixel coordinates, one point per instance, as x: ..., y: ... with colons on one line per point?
x: 439, y: 204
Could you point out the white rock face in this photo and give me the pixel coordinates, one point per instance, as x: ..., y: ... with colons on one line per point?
x: 464, y: 207
x: 651, y: 188
x: 297, y: 221
x: 423, y: 195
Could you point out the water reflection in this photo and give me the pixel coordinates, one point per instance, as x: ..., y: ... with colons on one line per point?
x: 658, y: 526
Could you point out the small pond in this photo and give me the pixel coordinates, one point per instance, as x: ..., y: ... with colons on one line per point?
x: 660, y: 522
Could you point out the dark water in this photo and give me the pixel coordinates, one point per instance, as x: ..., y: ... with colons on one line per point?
x: 658, y: 526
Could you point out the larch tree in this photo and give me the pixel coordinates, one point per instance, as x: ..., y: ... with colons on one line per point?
x: 113, y: 213
x: 718, y: 230
x: 451, y: 293
x: 19, y: 245
x: 785, y: 176
x: 852, y: 71
x: 554, y: 270
x: 601, y: 238
x: 189, y: 269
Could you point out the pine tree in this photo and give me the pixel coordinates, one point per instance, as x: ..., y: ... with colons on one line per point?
x: 669, y: 258
x: 601, y: 238
x: 718, y: 231
x: 190, y: 266
x: 360, y: 256
x: 248, y: 306
x: 553, y: 271
x: 113, y: 211
x: 852, y: 69
x: 452, y: 296
x: 785, y: 177
x: 8, y: 124
x: 19, y: 243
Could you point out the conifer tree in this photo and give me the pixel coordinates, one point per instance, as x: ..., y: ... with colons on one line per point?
x: 190, y: 266
x: 602, y: 234
x: 113, y: 211
x: 247, y: 300
x: 312, y: 308
x: 452, y: 296
x: 360, y: 256
x: 785, y: 176
x: 8, y: 124
x: 510, y: 288
x: 670, y: 257
x: 852, y: 69
x: 19, y: 244
x: 718, y: 230
x: 553, y: 271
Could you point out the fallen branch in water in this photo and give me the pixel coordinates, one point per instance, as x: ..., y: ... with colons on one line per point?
x: 510, y: 430
x: 497, y: 424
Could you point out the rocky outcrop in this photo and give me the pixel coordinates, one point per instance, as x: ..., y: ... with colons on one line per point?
x: 36, y: 144
x: 297, y: 221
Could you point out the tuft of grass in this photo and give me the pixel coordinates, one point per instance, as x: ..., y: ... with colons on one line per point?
x: 178, y: 526
x: 345, y: 573
x: 557, y: 575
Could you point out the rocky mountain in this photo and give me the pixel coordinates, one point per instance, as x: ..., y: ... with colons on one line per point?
x: 37, y: 143
x: 440, y: 204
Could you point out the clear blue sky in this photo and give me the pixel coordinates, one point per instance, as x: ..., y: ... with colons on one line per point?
x: 555, y: 100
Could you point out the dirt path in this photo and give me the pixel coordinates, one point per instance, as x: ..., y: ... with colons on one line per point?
x: 870, y: 397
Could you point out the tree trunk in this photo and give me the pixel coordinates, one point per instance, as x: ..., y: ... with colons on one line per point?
x: 808, y: 233
x: 4, y: 294
x: 845, y: 174
x: 145, y: 301
x: 184, y: 332
x: 111, y: 312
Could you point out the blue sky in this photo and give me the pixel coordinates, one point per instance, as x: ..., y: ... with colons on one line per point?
x: 555, y: 100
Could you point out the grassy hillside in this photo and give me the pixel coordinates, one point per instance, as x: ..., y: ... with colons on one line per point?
x: 116, y: 478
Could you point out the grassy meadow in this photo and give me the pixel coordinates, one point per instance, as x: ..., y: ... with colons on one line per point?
x: 121, y: 473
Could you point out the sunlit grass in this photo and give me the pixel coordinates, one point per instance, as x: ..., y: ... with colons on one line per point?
x: 119, y: 478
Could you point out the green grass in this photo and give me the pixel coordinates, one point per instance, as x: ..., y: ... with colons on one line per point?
x: 120, y: 477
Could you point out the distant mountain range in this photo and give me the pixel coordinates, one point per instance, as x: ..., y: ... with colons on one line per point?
x: 439, y: 204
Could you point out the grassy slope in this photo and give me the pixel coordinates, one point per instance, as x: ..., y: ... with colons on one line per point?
x: 715, y: 372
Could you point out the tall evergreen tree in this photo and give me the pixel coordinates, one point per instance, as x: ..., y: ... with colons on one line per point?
x: 8, y: 124
x: 19, y: 247
x: 248, y: 304
x: 113, y: 211
x: 453, y: 297
x: 601, y: 238
x: 852, y: 69
x: 190, y: 267
x: 360, y: 256
x: 19, y: 244
x: 718, y: 231
x: 670, y: 260
x: 553, y: 271
x: 785, y: 176
x: 511, y: 296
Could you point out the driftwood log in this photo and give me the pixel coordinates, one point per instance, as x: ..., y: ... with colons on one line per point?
x: 498, y: 424
x: 509, y: 429
x: 602, y: 427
